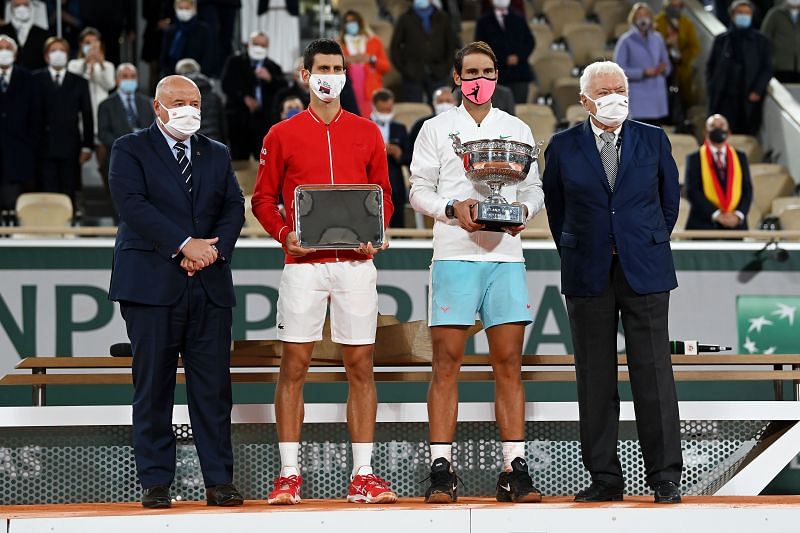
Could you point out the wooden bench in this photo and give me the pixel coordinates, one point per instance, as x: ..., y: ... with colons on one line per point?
x: 249, y: 367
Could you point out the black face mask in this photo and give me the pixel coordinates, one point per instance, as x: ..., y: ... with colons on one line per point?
x: 717, y: 135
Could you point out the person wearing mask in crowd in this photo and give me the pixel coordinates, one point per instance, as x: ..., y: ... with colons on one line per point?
x: 68, y: 122
x: 443, y: 100
x: 20, y: 126
x: 683, y: 46
x: 38, y: 13
x: 324, y: 144
x: 291, y: 107
x: 124, y: 112
x: 280, y: 20
x: 29, y: 37
x: 250, y: 81
x: 738, y: 71
x: 181, y: 213
x: 395, y: 138
x: 158, y: 15
x: 782, y: 28
x: 211, y: 106
x: 220, y: 17
x: 509, y: 35
x: 422, y: 48
x: 612, y: 195
x: 643, y: 56
x: 91, y: 64
x: 474, y: 272
x: 366, y: 59
x: 187, y: 37
x: 718, y: 182
x: 297, y: 88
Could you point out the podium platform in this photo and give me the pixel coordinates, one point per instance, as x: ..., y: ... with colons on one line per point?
x: 473, y: 515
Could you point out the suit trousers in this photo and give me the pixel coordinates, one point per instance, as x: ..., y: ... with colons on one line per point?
x: 594, y: 322
x: 200, y: 332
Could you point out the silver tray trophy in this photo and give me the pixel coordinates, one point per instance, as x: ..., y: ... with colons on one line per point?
x: 494, y: 163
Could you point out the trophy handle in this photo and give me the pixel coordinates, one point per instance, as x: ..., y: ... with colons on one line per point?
x: 458, y: 148
x: 537, y: 149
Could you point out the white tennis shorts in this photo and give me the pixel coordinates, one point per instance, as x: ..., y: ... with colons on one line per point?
x: 307, y: 288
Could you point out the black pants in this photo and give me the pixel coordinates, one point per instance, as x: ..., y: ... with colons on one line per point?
x: 594, y: 322
x: 60, y: 175
x: 201, y: 333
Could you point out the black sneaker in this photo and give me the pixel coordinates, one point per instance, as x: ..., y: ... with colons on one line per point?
x: 444, y: 483
x: 517, y: 486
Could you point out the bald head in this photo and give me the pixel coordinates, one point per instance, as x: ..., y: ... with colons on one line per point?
x: 716, y: 121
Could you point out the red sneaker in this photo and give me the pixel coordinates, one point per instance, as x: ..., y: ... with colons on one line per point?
x: 286, y: 491
x: 370, y: 489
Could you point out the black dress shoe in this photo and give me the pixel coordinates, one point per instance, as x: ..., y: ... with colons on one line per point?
x: 599, y: 491
x: 667, y: 492
x: 224, y: 496
x: 156, y: 498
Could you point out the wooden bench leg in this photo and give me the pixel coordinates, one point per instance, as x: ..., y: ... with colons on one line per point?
x: 39, y: 391
x: 778, y: 385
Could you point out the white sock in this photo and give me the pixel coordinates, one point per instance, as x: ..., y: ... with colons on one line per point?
x: 442, y: 450
x: 362, y: 459
x: 511, y: 450
x: 289, y: 452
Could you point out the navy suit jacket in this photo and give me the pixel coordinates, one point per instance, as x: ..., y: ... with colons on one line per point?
x: 157, y: 213
x: 587, y: 219
x: 702, y: 208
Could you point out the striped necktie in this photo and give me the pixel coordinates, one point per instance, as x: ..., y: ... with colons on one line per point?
x: 608, y: 153
x: 184, y: 165
x: 4, y: 82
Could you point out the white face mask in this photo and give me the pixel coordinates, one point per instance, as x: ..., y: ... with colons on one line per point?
x: 22, y: 13
x: 58, y: 58
x: 612, y: 109
x: 501, y: 4
x: 443, y: 107
x: 6, y: 58
x: 256, y: 52
x: 382, y: 118
x: 184, y: 121
x: 327, y: 87
x: 184, y: 15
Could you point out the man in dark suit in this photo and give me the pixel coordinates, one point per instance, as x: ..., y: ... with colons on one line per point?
x: 396, y: 139
x: 20, y: 125
x: 718, y: 181
x: 30, y: 37
x: 612, y: 194
x: 507, y: 32
x: 250, y: 81
x: 181, y: 212
x: 65, y: 146
x: 188, y: 36
x: 125, y: 111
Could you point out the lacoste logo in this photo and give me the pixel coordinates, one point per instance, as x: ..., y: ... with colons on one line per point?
x: 506, y: 487
x: 280, y: 326
x: 444, y: 308
x: 504, y: 137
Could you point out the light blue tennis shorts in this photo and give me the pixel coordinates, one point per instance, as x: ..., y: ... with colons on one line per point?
x: 496, y: 291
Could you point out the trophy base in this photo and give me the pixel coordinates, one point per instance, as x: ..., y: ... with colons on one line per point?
x: 496, y: 216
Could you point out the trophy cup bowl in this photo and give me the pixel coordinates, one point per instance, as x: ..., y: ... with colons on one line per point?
x: 495, y: 163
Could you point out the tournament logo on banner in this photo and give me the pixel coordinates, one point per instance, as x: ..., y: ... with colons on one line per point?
x: 768, y: 324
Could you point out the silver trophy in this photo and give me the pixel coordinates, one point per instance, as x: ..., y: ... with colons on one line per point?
x: 494, y: 163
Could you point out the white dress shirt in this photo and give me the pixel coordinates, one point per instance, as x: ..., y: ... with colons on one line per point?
x: 437, y: 176
x: 171, y: 143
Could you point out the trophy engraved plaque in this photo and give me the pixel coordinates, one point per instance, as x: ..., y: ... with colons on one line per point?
x: 338, y: 216
x: 494, y: 163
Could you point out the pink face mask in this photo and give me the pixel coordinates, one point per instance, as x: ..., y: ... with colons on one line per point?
x: 478, y: 90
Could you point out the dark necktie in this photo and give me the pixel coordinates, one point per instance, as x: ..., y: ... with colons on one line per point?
x: 58, y: 79
x: 130, y: 111
x: 184, y: 165
x: 4, y: 82
x: 608, y: 153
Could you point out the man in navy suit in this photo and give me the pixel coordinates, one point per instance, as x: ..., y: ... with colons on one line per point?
x: 395, y: 137
x: 181, y: 211
x: 611, y: 191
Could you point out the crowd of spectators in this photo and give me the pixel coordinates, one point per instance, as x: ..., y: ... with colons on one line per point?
x: 63, y: 99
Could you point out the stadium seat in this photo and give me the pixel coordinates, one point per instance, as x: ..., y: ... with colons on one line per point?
x: 784, y: 202
x: 683, y: 144
x: 576, y: 113
x: 683, y: 214
x: 566, y: 92
x: 250, y: 220
x: 366, y: 8
x: 44, y: 209
x: 408, y: 113
x: 610, y: 13
x: 749, y: 145
x: 539, y: 221
x: 550, y: 66
x: 790, y: 218
x: 537, y: 6
x: 246, y: 173
x: 584, y: 39
x: 383, y: 29
x: 770, y: 181
x: 543, y: 36
x: 539, y: 118
x: 467, y: 31
x: 620, y: 29
x: 560, y: 12
x: 533, y: 92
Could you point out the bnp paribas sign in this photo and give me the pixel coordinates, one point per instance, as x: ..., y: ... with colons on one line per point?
x: 768, y: 324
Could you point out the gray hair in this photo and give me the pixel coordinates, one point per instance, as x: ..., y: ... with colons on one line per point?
x: 186, y: 66
x: 123, y: 66
x: 193, y: 2
x: 10, y: 40
x: 600, y: 68
x: 257, y: 33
